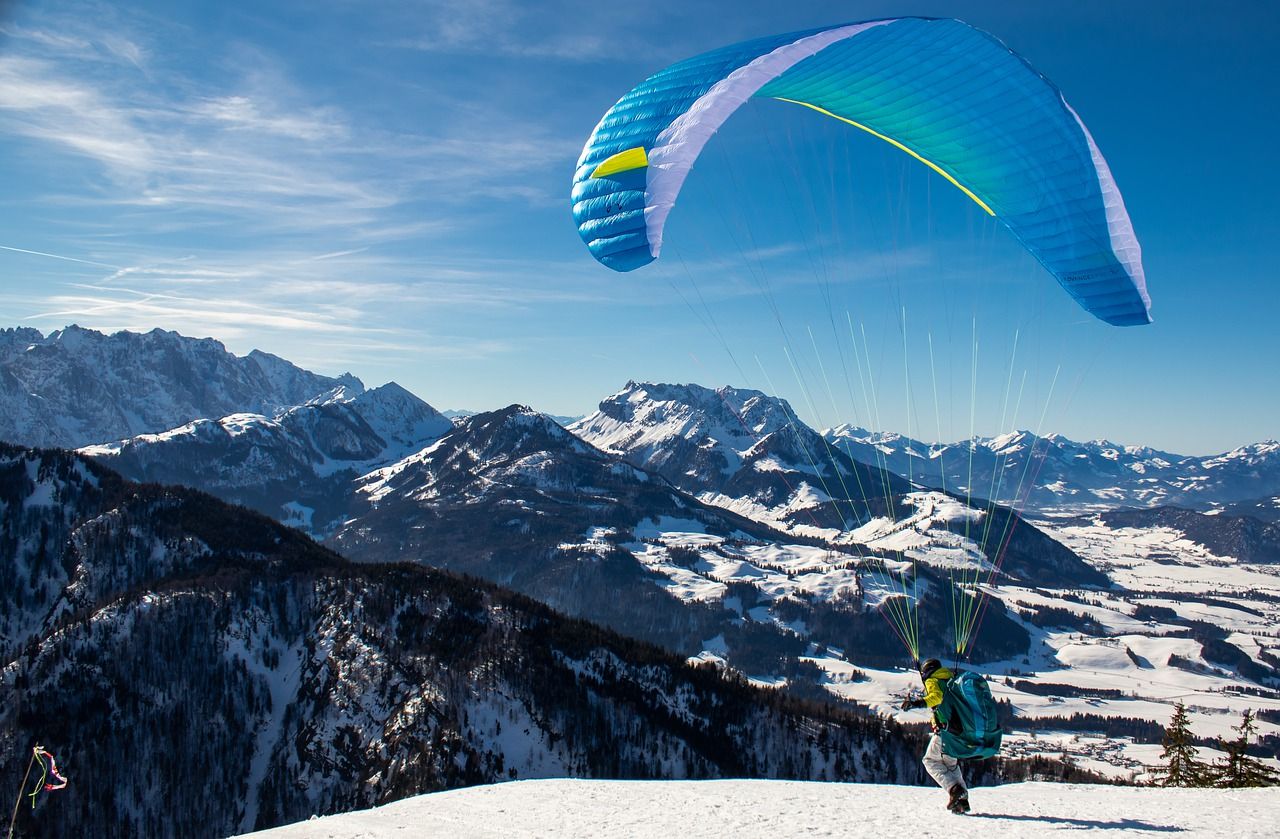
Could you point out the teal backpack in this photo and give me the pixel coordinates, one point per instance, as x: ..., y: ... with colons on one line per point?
x: 968, y: 702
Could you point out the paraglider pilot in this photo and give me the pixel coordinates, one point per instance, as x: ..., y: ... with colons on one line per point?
x: 942, y: 767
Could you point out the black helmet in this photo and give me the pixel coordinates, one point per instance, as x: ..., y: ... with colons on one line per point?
x: 927, y: 668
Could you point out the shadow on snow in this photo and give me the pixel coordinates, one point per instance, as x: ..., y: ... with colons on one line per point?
x: 1096, y: 824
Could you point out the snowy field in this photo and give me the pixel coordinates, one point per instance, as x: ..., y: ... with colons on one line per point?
x: 558, y: 809
x: 1127, y: 664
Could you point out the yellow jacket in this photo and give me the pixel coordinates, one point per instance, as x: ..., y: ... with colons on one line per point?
x: 933, y: 692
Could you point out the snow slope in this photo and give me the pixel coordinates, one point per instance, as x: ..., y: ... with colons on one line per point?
x: 773, y: 809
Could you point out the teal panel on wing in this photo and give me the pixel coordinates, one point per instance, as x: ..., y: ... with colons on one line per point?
x: 960, y: 99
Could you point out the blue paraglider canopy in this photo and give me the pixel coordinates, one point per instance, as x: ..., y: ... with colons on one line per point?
x: 949, y: 95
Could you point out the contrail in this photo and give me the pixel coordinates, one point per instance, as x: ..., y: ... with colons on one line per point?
x: 55, y: 256
x: 335, y: 254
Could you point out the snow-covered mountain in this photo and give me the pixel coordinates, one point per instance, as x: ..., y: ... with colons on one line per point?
x: 513, y: 497
x: 297, y: 467
x: 200, y: 670
x: 1055, y: 474
x: 741, y: 450
x: 77, y: 386
x: 748, y: 452
x: 401, y: 420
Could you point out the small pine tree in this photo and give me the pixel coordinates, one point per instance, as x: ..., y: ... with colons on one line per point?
x: 1239, y: 769
x: 1180, y: 767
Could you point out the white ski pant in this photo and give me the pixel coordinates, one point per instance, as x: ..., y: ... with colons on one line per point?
x: 942, y: 767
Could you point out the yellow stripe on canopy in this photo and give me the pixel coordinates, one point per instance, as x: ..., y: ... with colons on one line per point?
x: 623, y: 161
x: 935, y: 167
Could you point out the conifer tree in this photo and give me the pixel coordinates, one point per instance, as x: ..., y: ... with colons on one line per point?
x: 1239, y: 769
x: 1180, y: 767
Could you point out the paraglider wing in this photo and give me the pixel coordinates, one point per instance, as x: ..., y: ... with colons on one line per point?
x: 949, y: 95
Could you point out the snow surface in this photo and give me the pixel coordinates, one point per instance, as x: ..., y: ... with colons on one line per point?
x: 772, y: 809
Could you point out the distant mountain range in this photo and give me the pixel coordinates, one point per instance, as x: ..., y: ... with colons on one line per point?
x: 365, y: 469
x: 1052, y: 474
x: 77, y: 387
x: 718, y: 526
x: 513, y: 497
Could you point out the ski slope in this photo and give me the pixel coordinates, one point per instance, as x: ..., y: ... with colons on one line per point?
x: 774, y: 809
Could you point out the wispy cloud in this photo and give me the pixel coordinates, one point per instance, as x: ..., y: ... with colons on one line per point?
x: 252, y: 149
x: 125, y: 49
x: 67, y: 37
x: 56, y: 40
x: 241, y: 113
x: 37, y: 102
x: 335, y: 254
x: 572, y: 31
x: 501, y: 27
x: 170, y: 156
x: 227, y: 316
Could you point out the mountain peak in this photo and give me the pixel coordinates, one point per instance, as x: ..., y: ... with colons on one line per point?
x: 507, y: 441
x: 691, y: 410
x: 512, y: 433
x: 1011, y: 441
x: 393, y: 397
x: 740, y: 448
x: 392, y: 390
x: 72, y: 337
x: 81, y: 387
x: 519, y: 419
x: 25, y: 333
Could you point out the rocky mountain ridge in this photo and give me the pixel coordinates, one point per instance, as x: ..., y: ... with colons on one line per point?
x: 297, y: 467
x: 77, y: 387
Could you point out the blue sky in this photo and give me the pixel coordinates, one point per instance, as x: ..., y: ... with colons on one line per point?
x: 383, y: 188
